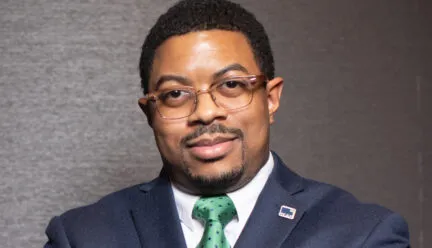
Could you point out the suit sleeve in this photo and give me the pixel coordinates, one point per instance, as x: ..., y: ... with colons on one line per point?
x: 56, y: 234
x: 391, y: 232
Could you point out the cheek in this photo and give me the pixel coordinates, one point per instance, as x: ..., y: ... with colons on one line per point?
x: 255, y: 125
x: 168, y: 138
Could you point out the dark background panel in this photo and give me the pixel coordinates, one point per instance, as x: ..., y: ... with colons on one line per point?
x: 351, y: 114
x: 426, y: 106
x: 356, y: 108
x: 426, y: 157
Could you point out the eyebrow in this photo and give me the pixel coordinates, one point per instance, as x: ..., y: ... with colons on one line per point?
x: 165, y: 78
x: 185, y: 81
x: 232, y: 67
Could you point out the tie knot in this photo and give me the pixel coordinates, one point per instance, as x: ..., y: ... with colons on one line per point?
x: 214, y: 209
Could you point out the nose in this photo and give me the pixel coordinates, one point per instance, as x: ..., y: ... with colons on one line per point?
x: 206, y: 110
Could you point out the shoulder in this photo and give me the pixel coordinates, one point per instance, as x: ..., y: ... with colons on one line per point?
x: 338, y: 202
x: 104, y: 222
x: 112, y: 208
x: 113, y: 202
x: 324, y: 198
x: 335, y: 214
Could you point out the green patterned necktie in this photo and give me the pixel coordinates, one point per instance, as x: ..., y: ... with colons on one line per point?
x: 215, y: 212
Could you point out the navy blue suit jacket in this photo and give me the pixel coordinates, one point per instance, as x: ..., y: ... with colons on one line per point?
x: 145, y: 216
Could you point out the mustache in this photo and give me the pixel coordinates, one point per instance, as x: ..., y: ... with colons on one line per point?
x: 212, y: 129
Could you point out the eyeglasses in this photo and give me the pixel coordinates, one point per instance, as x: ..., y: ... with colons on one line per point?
x: 229, y: 93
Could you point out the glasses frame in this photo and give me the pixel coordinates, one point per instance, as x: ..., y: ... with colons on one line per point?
x: 260, y: 79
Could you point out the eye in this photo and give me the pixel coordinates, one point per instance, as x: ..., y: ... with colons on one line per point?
x: 232, y: 88
x: 175, y: 97
x: 173, y: 94
x: 232, y: 84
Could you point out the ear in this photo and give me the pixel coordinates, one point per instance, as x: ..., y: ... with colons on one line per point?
x: 274, y: 92
x: 143, y: 103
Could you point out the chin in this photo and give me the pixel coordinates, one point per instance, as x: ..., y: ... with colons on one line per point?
x: 218, y: 182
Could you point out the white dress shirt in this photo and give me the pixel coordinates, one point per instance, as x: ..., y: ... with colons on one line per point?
x: 244, y: 200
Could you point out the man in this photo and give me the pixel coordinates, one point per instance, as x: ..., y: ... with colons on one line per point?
x: 210, y: 95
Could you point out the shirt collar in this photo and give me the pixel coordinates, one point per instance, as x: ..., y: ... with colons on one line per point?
x: 184, y: 203
x: 244, y: 198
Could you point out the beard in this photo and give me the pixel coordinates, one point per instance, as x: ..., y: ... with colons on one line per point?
x: 214, y: 184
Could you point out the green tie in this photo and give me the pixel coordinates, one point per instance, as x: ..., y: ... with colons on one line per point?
x: 215, y: 212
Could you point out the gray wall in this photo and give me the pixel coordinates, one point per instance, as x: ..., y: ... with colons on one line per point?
x: 356, y: 108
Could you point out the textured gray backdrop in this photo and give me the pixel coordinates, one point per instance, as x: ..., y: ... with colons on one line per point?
x: 356, y: 108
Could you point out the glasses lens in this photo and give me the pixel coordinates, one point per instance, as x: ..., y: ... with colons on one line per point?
x: 175, y: 103
x: 233, y: 93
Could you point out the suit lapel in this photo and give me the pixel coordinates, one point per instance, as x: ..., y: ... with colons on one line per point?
x: 265, y: 227
x: 155, y: 216
x: 157, y: 223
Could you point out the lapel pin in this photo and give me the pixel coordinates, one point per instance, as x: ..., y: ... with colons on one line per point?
x: 287, y: 212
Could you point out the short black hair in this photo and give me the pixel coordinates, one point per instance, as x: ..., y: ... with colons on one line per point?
x: 199, y: 15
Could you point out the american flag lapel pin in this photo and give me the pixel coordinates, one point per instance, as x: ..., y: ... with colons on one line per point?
x: 287, y: 212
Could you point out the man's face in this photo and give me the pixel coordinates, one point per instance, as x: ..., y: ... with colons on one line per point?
x: 214, y: 150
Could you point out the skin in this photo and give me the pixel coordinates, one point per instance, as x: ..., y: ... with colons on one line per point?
x: 222, y: 167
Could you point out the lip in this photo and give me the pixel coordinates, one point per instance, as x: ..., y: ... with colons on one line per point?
x: 211, y: 148
x: 209, y: 141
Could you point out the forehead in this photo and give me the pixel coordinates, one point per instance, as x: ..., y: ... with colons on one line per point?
x: 202, y: 53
